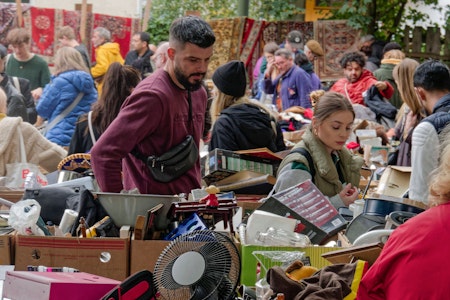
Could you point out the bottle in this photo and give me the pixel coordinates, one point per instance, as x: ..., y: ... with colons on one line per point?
x: 83, y: 227
x: 31, y: 181
x: 281, y: 237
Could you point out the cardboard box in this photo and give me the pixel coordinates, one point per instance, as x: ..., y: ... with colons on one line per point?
x: 394, y: 181
x: 145, y: 254
x: 304, y: 202
x: 248, y: 206
x: 9, y: 194
x: 223, y: 163
x: 56, y: 285
x: 6, y: 257
x: 108, y: 257
x: 269, y: 256
x: 293, y: 136
x: 369, y: 253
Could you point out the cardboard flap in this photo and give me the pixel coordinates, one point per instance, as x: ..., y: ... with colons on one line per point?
x: 394, y: 181
x: 369, y: 253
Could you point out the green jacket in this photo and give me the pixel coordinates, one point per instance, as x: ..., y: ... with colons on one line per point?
x: 326, y: 176
x: 384, y: 73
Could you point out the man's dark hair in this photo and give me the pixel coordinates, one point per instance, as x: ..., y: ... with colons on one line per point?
x: 144, y: 36
x: 432, y: 75
x: 349, y: 57
x: 191, y: 29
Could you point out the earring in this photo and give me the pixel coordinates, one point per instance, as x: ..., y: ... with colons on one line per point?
x: 315, y: 131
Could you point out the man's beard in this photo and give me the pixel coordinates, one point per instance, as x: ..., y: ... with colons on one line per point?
x: 185, y: 80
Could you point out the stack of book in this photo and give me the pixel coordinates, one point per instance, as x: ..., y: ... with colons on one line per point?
x: 243, y: 172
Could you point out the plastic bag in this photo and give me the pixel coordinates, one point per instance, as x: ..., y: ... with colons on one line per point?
x: 17, y: 174
x: 23, y: 217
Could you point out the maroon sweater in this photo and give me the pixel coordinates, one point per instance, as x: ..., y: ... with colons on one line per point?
x: 154, y: 118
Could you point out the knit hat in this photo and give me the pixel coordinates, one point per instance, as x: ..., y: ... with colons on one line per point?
x: 295, y: 38
x: 391, y: 46
x: 315, y: 47
x: 231, y: 78
x: 3, y: 51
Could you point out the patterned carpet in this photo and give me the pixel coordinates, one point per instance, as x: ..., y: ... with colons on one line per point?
x: 228, y: 41
x: 7, y: 18
x: 44, y: 22
x: 236, y: 38
x: 336, y: 38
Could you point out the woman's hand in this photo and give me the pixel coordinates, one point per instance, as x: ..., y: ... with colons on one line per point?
x: 349, y: 194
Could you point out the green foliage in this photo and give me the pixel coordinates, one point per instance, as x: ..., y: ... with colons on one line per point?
x: 382, y: 18
x: 274, y: 10
x: 164, y: 12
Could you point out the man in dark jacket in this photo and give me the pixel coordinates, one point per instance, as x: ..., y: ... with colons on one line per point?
x: 139, y: 57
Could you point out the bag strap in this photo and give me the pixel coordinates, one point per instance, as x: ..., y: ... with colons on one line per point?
x: 16, y: 83
x: 139, y: 155
x: 346, y: 93
x: 91, y: 130
x: 308, y: 157
x: 23, y: 155
x: 144, y: 158
x: 64, y: 113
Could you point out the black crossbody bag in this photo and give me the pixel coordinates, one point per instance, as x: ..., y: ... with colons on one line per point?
x: 176, y: 161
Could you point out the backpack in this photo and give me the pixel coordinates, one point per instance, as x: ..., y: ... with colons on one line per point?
x: 307, y: 155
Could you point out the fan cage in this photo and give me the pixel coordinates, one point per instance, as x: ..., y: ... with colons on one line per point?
x: 222, y: 262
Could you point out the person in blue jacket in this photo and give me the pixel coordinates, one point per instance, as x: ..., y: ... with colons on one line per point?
x: 70, y: 79
x: 292, y: 86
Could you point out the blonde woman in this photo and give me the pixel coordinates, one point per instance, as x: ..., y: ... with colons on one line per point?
x: 240, y: 124
x: 71, y: 81
x: 325, y: 159
x: 411, y: 113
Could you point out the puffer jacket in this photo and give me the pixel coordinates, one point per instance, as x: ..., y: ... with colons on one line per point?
x: 105, y: 55
x: 38, y: 149
x: 326, y: 177
x: 246, y: 126
x: 58, y: 95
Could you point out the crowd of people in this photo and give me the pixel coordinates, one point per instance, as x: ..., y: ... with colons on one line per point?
x: 156, y: 98
x: 75, y: 112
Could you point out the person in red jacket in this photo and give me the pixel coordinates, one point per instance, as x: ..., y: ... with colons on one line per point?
x: 358, y: 80
x: 414, y: 264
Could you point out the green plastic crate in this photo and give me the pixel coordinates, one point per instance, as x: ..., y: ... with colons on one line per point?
x: 250, y: 254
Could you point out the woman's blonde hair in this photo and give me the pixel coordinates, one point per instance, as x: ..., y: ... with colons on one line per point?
x: 68, y: 58
x: 222, y: 101
x: 403, y: 75
x: 394, y: 54
x: 315, y: 96
x: 440, y: 180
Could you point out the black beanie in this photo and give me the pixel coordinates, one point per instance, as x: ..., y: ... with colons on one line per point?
x: 231, y: 78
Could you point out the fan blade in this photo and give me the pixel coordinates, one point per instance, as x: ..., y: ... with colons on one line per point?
x: 206, y: 289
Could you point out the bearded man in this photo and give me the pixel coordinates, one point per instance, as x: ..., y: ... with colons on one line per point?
x: 358, y: 79
x: 161, y: 111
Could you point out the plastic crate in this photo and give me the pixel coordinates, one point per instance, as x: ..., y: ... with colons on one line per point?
x: 251, y: 255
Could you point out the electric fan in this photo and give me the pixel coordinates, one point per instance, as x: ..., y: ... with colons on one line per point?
x: 202, y: 264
